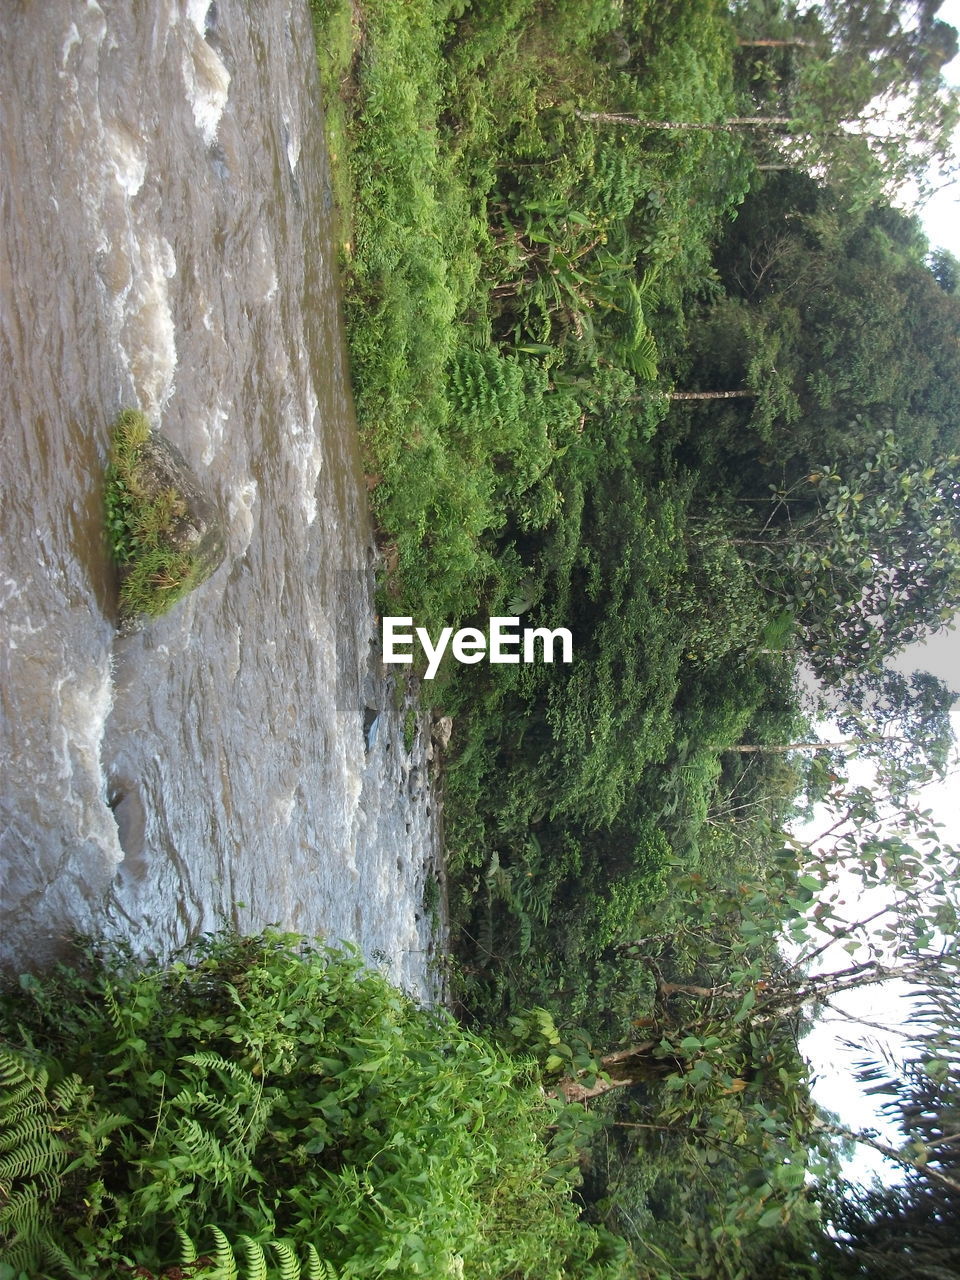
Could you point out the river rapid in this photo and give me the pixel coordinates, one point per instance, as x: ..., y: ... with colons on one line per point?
x: 168, y: 244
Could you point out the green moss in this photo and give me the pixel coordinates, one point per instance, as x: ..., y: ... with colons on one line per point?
x: 150, y: 521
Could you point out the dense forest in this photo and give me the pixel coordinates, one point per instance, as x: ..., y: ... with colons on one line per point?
x: 646, y: 345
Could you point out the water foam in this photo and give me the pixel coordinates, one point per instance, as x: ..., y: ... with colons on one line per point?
x: 240, y: 508
x: 206, y: 78
x: 149, y: 336
x: 126, y: 159
x: 306, y: 439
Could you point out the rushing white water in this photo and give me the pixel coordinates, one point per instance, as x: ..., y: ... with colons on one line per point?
x: 167, y: 245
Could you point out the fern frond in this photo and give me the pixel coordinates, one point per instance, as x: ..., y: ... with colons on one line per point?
x: 66, y: 1093
x: 289, y: 1265
x: 210, y: 1158
x: 211, y: 1061
x: 31, y: 1125
x: 258, y: 1267
x: 117, y: 1019
x: 224, y: 1257
x: 33, y: 1155
x: 318, y: 1268
x: 188, y: 1250
x: 526, y: 930
x: 61, y: 1260
x: 15, y: 1069
x: 19, y: 1210
x: 106, y: 1124
x: 256, y: 1259
x: 16, y: 1098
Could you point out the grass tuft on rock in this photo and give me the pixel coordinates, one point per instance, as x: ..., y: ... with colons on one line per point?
x: 164, y: 532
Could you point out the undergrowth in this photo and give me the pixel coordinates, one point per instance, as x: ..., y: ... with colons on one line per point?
x: 507, y: 267
x: 279, y: 1110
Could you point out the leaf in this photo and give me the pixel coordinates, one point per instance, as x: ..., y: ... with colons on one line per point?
x: 746, y: 1004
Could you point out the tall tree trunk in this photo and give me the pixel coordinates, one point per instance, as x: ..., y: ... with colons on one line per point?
x: 781, y: 748
x: 774, y: 44
x: 740, y: 394
x: 737, y: 122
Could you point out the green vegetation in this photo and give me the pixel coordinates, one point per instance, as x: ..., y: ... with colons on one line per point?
x: 162, y: 530
x: 495, y: 293
x: 641, y: 348
x: 269, y: 1100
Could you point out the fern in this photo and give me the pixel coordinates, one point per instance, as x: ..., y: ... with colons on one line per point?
x: 117, y: 1018
x: 634, y: 346
x: 256, y: 1259
x: 225, y: 1260
x: 44, y: 1138
x: 289, y: 1266
x: 317, y: 1268
x: 216, y: 1062
x: 257, y: 1265
x: 188, y: 1250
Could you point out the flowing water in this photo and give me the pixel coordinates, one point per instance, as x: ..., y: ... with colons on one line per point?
x: 167, y: 243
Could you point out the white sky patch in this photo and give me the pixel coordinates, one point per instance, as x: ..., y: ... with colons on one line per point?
x: 941, y: 214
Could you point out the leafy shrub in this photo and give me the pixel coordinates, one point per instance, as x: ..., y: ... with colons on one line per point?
x: 290, y: 1097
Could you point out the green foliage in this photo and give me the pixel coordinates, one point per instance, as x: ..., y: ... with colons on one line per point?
x: 519, y: 277
x: 51, y: 1136
x: 155, y: 572
x: 324, y: 1118
x: 280, y: 1261
x: 865, y: 554
x: 501, y: 258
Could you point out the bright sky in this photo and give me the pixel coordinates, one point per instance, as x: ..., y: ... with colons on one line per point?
x: 942, y: 214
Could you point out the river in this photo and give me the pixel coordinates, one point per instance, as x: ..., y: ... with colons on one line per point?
x: 169, y: 244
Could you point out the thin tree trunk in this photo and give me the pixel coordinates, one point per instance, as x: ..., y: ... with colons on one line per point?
x: 737, y: 122
x: 625, y: 1067
x: 781, y: 748
x: 774, y: 44
x: 740, y: 394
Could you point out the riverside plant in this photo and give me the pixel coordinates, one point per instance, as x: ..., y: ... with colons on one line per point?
x: 267, y: 1108
x: 158, y: 522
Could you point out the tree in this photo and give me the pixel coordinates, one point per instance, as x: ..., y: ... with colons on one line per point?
x: 863, y: 82
x: 905, y: 722
x: 836, y: 323
x: 908, y: 1232
x: 725, y: 1040
x: 866, y: 556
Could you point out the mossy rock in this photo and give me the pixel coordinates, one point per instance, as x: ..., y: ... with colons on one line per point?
x: 166, y: 533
